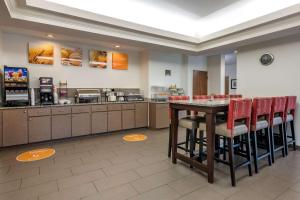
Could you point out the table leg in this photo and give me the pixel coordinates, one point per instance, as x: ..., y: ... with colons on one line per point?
x: 174, y: 125
x: 210, y: 131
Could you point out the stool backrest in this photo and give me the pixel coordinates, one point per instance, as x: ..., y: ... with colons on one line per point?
x: 239, y: 109
x: 232, y: 96
x: 221, y: 96
x: 261, y: 107
x: 278, y: 107
x: 174, y: 98
x: 291, y: 104
x: 199, y: 97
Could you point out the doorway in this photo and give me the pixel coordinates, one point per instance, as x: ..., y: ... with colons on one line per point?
x: 226, y: 85
x: 199, y: 82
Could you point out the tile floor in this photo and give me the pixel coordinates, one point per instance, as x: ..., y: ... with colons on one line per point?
x: 105, y: 167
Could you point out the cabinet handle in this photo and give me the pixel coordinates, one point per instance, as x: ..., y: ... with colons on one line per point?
x: 30, y: 119
x: 25, y: 111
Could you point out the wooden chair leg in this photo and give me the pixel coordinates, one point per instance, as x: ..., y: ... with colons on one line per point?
x: 248, y: 150
x: 267, y: 134
x: 272, y: 144
x: 217, y: 146
x: 231, y: 161
x: 201, y: 137
x: 224, y: 146
x: 254, y: 137
x: 285, y: 139
x: 282, y: 135
x: 170, y: 142
x: 192, y: 143
x: 293, y: 134
x: 187, y: 138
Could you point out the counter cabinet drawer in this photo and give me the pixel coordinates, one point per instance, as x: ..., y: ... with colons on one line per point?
x: 128, y: 107
x: 114, y: 107
x: 81, y: 109
x: 61, y: 110
x: 36, y: 112
x: 99, y: 108
x: 162, y: 105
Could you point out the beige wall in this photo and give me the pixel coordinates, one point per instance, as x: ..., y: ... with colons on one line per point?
x: 216, y: 74
x: 279, y: 79
x: 15, y: 54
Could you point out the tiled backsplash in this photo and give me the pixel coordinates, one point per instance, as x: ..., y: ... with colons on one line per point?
x: 72, y: 92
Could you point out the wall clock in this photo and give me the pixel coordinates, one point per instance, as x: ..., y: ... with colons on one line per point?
x: 266, y: 59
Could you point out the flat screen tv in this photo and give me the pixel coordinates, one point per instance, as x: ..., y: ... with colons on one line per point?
x: 15, y: 74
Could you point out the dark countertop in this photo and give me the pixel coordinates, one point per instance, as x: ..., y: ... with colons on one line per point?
x: 72, y: 104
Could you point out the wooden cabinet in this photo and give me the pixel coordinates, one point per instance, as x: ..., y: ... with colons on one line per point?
x: 61, y: 126
x: 114, y: 120
x: 99, y: 122
x: 128, y: 119
x: 81, y: 120
x: 39, y: 124
x: 81, y: 124
x: 141, y: 115
x: 15, y: 128
x: 159, y: 115
x: 1, y: 128
x: 39, y: 128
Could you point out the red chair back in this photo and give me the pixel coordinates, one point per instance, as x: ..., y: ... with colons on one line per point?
x: 235, y: 96
x: 174, y: 98
x: 221, y: 96
x: 239, y: 109
x: 291, y: 104
x: 278, y: 107
x: 199, y: 97
x: 261, y: 107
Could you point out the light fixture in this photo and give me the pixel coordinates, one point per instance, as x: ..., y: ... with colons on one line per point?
x: 50, y: 36
x: 117, y: 46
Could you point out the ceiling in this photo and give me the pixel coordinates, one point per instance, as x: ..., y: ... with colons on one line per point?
x: 191, y: 18
x: 194, y: 26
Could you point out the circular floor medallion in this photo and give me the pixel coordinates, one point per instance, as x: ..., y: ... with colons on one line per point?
x: 34, y: 155
x: 135, y: 137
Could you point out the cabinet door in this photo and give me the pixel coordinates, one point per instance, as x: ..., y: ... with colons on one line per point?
x: 141, y: 115
x: 81, y: 124
x: 114, y: 120
x: 99, y: 122
x: 162, y: 117
x: 39, y: 128
x: 61, y: 126
x: 128, y: 120
x: 1, y: 128
x: 15, y: 127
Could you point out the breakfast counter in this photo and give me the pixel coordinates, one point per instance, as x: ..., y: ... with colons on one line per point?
x: 30, y: 124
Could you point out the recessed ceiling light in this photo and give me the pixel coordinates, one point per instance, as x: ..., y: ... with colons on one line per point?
x: 50, y: 36
x: 117, y: 46
x: 236, y: 51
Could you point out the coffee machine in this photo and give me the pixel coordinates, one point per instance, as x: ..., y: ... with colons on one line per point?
x: 46, y: 91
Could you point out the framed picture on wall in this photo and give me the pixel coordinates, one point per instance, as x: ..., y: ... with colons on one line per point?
x: 168, y: 72
x: 120, y: 61
x: 71, y: 56
x: 40, y: 53
x: 97, y: 59
x: 233, y: 84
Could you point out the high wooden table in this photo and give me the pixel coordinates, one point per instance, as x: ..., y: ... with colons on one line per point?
x: 210, y: 107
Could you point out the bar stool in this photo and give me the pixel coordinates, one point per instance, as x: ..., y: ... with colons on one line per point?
x: 289, y: 117
x: 261, y: 112
x: 235, y: 96
x: 238, y: 123
x: 277, y: 120
x: 191, y: 123
x: 221, y: 96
